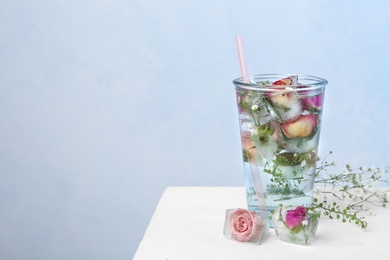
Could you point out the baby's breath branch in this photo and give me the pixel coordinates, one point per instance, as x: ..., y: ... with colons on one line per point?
x: 354, y: 188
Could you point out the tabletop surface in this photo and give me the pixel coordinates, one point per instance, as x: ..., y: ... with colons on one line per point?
x: 188, y: 224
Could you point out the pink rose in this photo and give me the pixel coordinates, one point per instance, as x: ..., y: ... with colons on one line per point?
x: 311, y: 102
x: 244, y: 224
x: 282, y: 97
x: 315, y: 102
x: 303, y: 126
x: 295, y: 217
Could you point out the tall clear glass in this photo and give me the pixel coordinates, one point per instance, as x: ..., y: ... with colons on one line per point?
x: 280, y: 121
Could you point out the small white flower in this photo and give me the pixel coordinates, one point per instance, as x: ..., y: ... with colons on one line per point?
x: 356, y: 193
x: 357, y: 178
x: 363, y: 168
x: 335, y: 163
x: 305, y: 222
x: 255, y: 107
x: 303, y: 163
x: 264, y: 161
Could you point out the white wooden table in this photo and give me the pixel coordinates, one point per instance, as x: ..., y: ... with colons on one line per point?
x: 188, y: 224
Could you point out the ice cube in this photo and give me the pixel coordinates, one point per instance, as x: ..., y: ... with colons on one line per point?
x: 285, y: 105
x: 303, y: 234
x: 266, y: 146
x: 260, y: 111
x: 300, y: 145
x: 290, y: 113
x: 292, y: 172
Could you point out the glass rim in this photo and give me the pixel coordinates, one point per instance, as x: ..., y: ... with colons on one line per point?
x: 309, y: 82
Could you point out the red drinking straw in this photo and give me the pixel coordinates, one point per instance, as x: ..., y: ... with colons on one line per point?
x: 242, y: 58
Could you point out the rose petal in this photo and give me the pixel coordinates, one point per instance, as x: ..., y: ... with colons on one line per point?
x: 313, y: 102
x: 300, y: 211
x: 292, y: 219
x: 286, y: 81
x: 295, y: 217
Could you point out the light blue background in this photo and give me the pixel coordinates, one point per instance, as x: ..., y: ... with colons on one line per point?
x: 103, y: 104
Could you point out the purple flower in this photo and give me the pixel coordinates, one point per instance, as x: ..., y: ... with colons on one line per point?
x: 295, y: 217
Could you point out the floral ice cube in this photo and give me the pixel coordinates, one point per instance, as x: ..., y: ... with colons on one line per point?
x: 294, y: 165
x: 313, y: 103
x: 260, y: 111
x: 248, y: 146
x: 301, y: 145
x: 302, y: 127
x: 285, y: 99
x: 292, y: 172
x: 296, y: 225
x: 245, y: 226
x: 292, y: 80
x: 264, y: 141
